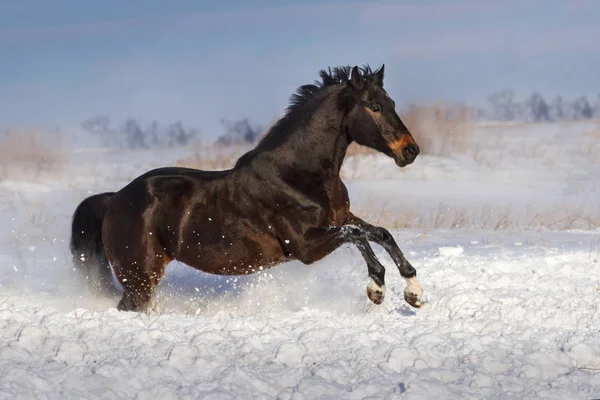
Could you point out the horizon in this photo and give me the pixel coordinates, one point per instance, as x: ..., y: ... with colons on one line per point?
x: 199, y: 63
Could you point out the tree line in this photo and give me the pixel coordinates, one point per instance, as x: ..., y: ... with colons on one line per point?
x: 133, y: 134
x: 501, y: 106
x: 504, y: 106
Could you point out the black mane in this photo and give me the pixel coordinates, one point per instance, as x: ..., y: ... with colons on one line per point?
x: 304, y: 94
x: 328, y: 78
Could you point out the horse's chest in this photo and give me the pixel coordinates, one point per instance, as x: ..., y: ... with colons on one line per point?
x: 339, y: 207
x: 337, y: 216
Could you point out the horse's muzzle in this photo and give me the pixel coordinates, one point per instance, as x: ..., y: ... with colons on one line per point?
x: 410, y: 152
x: 404, y: 150
x: 407, y: 155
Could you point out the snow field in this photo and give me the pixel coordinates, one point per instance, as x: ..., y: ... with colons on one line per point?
x: 512, y: 311
x: 504, y: 319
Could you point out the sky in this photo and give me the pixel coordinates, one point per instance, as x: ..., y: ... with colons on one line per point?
x: 199, y: 62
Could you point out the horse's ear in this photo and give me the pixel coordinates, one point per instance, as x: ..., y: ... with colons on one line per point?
x: 355, y: 80
x: 379, y: 75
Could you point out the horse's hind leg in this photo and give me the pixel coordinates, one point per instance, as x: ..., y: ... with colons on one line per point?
x: 140, y: 272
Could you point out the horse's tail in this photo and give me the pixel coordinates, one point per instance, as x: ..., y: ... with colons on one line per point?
x: 86, y: 244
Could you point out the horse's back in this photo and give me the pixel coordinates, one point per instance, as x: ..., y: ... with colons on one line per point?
x: 206, y: 219
x: 173, y: 182
x: 166, y: 198
x: 182, y: 171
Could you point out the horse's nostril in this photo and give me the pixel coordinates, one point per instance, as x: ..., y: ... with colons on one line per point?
x: 410, y: 152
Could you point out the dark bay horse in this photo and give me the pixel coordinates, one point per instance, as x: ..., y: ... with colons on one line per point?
x: 283, y: 200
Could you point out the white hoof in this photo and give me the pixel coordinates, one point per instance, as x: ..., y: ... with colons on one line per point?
x: 375, y: 293
x: 413, y: 293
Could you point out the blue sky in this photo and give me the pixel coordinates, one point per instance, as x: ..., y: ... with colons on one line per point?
x: 198, y: 61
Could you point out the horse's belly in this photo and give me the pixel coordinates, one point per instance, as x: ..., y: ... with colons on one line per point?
x: 235, y: 256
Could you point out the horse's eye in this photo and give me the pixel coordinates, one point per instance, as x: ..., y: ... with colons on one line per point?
x: 376, y: 108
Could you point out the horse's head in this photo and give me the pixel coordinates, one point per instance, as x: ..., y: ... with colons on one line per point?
x: 373, y: 121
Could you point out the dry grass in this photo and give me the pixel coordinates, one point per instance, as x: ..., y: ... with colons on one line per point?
x: 31, y: 152
x: 440, y: 128
x: 594, y: 134
x: 486, y: 218
x: 213, y: 157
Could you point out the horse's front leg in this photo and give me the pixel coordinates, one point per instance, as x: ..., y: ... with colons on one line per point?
x: 316, y: 243
x: 413, y: 293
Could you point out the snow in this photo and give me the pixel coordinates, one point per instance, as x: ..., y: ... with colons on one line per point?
x: 512, y: 310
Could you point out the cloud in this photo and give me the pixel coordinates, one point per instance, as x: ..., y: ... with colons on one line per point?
x: 430, y: 11
x: 446, y: 44
x: 442, y: 9
x: 363, y: 11
x: 523, y: 43
x: 579, y: 39
x: 70, y: 30
x: 578, y: 5
x: 196, y: 20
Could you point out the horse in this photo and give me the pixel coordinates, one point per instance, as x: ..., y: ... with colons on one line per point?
x: 283, y: 200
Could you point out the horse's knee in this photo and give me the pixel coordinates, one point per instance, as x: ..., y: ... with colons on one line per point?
x: 383, y: 235
x: 354, y: 232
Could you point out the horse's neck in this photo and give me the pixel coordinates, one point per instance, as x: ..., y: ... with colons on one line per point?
x: 319, y: 146
x: 313, y: 145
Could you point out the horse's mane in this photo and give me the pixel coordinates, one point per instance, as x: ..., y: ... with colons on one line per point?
x: 304, y: 94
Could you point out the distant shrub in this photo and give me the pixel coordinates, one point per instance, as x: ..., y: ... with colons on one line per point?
x: 132, y: 135
x: 239, y: 133
x: 504, y: 106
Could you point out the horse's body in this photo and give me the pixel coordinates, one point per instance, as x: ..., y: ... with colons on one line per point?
x: 283, y: 200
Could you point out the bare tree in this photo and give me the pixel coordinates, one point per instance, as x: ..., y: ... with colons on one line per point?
x: 179, y: 136
x: 239, y: 132
x: 538, y: 108
x: 582, y: 109
x: 134, y: 134
x: 504, y: 106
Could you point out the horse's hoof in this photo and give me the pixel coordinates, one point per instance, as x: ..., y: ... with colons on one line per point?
x: 413, y: 299
x: 375, y: 293
x: 413, y: 293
